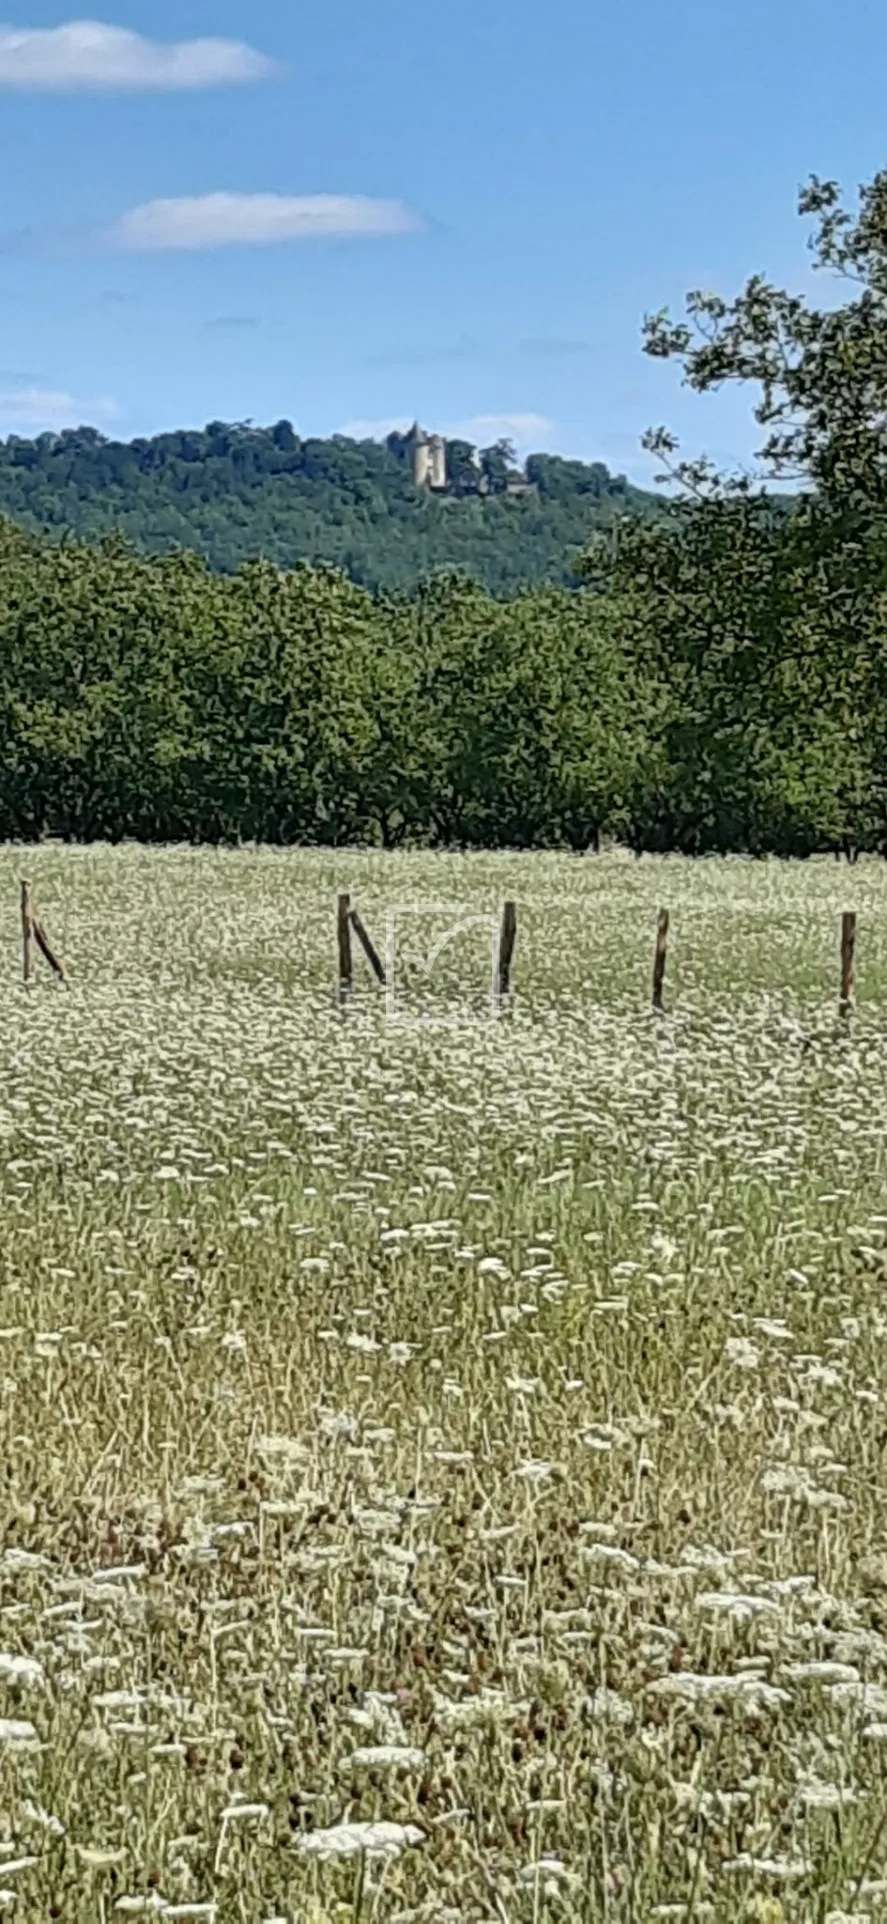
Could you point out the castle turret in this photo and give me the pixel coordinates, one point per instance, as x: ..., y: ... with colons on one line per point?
x: 437, y: 462
x: 427, y: 455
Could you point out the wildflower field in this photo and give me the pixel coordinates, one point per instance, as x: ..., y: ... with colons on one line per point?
x: 443, y: 1456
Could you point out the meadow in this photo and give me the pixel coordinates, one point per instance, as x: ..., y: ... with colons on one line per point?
x: 442, y: 1456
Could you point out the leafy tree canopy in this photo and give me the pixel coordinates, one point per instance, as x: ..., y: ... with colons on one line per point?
x: 821, y: 373
x: 233, y: 491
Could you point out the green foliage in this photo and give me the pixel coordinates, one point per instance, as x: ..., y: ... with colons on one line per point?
x: 760, y: 617
x: 235, y: 492
x: 821, y: 373
x: 150, y: 698
x: 767, y: 725
x: 696, y: 704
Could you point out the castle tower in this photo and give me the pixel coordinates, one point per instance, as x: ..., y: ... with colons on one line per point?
x: 437, y: 462
x: 427, y: 455
x: 422, y: 461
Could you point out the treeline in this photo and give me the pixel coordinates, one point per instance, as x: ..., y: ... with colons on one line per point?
x: 685, y: 698
x: 232, y: 492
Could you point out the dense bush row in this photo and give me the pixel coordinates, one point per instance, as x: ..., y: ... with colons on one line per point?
x: 152, y: 699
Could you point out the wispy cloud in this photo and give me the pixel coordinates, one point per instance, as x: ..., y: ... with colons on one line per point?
x: 205, y: 221
x: 88, y: 56
x: 527, y: 431
x: 52, y: 408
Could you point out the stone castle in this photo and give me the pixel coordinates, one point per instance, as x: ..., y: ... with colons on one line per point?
x: 427, y: 454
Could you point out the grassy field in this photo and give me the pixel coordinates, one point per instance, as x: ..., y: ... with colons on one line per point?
x: 474, y: 1428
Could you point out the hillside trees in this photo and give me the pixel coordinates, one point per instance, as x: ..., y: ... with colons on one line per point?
x: 233, y: 493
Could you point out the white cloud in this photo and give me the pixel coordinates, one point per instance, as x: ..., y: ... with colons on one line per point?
x: 527, y: 431
x: 257, y: 220
x: 39, y: 408
x: 86, y: 55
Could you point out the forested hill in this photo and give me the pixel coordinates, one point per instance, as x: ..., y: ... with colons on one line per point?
x: 235, y: 492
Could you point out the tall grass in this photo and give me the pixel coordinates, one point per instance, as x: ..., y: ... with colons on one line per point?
x: 469, y: 1428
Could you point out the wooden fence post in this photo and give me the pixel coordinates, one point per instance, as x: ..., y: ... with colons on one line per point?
x: 660, y: 959
x: 369, y: 948
x: 33, y: 930
x: 346, y: 972
x: 507, y: 940
x: 26, y: 932
x: 848, y: 946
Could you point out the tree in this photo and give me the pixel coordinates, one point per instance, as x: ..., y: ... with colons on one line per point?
x: 285, y: 438
x: 822, y: 373
x: 766, y: 613
x: 757, y: 710
x: 463, y: 470
x: 496, y: 463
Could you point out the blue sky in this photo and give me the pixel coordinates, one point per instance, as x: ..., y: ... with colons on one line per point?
x: 353, y: 214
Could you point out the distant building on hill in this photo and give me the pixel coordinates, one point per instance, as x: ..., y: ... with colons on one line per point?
x: 454, y: 468
x: 427, y: 455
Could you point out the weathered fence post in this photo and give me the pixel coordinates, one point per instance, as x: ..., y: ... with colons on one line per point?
x: 346, y: 971
x: 507, y: 940
x: 33, y: 930
x: 660, y: 959
x: 369, y: 948
x: 26, y: 932
x: 848, y: 947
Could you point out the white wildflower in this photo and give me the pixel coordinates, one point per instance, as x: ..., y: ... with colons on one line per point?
x: 20, y: 1670
x: 777, y: 1867
x: 45, y: 1819
x: 610, y: 1553
x: 751, y: 1689
x: 18, y: 1734
x: 607, y: 1706
x: 209, y: 1911
x: 818, y: 1796
x: 820, y: 1670
x: 737, y: 1604
x: 741, y: 1352
x: 388, y: 1757
x: 380, y: 1839
x: 547, y: 1872
x: 868, y: 1698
